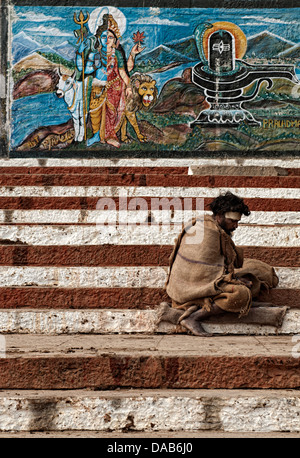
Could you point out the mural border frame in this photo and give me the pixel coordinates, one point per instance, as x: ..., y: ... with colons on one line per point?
x: 153, y: 154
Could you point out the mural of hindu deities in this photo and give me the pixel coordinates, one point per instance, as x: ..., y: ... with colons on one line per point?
x: 105, y: 59
x: 149, y: 79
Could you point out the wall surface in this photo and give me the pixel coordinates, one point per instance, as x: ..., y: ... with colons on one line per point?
x: 91, y: 205
x: 196, y: 80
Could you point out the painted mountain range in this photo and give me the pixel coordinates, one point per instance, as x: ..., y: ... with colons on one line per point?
x: 263, y: 45
x: 268, y: 45
x: 186, y: 46
x: 23, y: 46
x: 177, y: 51
x: 162, y: 56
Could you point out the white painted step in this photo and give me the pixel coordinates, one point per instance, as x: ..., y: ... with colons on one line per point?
x: 86, y: 321
x: 136, y: 436
x: 288, y: 162
x: 144, y: 191
x: 108, y: 277
x: 136, y: 217
x: 148, y: 234
x: 151, y: 410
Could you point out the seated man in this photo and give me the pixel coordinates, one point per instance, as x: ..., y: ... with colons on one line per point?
x: 208, y: 274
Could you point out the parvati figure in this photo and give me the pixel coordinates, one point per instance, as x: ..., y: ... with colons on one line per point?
x: 106, y: 62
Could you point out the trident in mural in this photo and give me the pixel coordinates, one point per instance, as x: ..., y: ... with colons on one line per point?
x: 81, y: 20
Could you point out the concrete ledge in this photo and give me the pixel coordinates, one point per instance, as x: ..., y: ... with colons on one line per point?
x: 149, y: 362
x: 151, y: 411
x: 70, y: 322
x: 29, y: 346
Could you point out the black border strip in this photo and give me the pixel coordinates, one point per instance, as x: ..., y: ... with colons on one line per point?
x: 113, y: 154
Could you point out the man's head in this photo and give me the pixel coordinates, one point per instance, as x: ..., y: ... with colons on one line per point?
x: 228, y: 210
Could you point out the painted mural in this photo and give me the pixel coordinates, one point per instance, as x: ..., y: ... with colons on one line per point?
x: 154, y: 79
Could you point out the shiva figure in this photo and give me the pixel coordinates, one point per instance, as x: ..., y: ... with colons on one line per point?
x: 105, y: 62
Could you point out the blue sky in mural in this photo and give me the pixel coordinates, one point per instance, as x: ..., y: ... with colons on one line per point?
x: 53, y: 26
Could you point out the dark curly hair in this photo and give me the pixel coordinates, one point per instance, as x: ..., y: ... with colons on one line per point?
x: 228, y: 202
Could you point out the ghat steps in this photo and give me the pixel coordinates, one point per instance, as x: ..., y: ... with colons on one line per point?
x: 150, y: 384
x: 78, y: 301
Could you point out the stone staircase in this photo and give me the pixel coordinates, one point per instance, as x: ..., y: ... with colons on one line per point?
x: 81, y: 350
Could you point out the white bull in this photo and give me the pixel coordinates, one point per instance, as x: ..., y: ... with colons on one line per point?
x: 71, y: 91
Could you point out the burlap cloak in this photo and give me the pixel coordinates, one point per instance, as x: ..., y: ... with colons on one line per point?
x: 206, y: 265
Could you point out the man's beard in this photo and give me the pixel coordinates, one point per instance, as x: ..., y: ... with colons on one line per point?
x: 230, y: 233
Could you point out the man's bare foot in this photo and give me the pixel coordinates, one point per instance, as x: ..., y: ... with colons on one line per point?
x: 192, y: 322
x: 167, y: 313
x: 195, y: 327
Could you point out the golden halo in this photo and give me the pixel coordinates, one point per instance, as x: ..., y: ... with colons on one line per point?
x: 239, y: 36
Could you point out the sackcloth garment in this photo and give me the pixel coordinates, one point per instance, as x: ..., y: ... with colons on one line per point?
x: 205, y: 267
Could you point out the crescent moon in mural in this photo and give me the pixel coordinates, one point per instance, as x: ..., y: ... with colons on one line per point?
x: 239, y: 37
x: 97, y: 15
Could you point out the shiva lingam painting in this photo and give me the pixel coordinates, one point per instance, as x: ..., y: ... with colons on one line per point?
x: 147, y: 81
x: 224, y: 75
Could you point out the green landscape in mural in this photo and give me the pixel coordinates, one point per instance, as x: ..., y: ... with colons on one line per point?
x: 154, y: 79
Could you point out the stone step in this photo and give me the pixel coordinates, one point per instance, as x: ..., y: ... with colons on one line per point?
x: 149, y: 180
x: 80, y: 349
x: 151, y: 411
x: 171, y: 190
x: 127, y: 321
x: 140, y: 298
x: 98, y: 362
x: 14, y: 167
x: 163, y: 216
x: 108, y: 276
x: 125, y: 255
x: 203, y: 170
x: 89, y: 203
x: 109, y: 438
x: 133, y: 234
x: 242, y: 161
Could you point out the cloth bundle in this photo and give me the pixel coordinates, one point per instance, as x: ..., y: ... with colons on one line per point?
x: 206, y: 266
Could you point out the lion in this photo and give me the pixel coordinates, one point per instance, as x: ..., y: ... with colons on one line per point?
x: 144, y: 95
